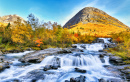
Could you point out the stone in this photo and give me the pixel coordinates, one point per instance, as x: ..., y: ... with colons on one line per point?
x: 98, y: 41
x: 74, y: 46
x: 102, y: 60
x: 80, y: 70
x: 102, y: 80
x: 81, y: 78
x: 47, y: 67
x: 111, y: 45
x: 38, y: 56
x: 83, y: 46
x: 66, y: 50
x: 116, y: 60
x: 101, y: 56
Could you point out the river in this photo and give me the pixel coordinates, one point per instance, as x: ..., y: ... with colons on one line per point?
x: 87, y: 60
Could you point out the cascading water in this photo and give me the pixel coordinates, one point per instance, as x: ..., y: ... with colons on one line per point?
x: 88, y: 60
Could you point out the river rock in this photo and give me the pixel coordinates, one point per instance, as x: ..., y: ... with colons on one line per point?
x: 83, y: 46
x: 111, y: 45
x: 66, y: 50
x: 77, y: 79
x: 101, y: 56
x: 3, y: 64
x: 102, y: 80
x: 47, y: 67
x: 114, y: 80
x: 109, y: 54
x: 38, y: 56
x: 80, y: 70
x: 102, y: 60
x: 98, y: 41
x: 115, y: 60
x: 76, y: 50
x: 74, y: 46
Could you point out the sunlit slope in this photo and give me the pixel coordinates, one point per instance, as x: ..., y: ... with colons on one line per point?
x: 95, y: 22
x: 94, y: 29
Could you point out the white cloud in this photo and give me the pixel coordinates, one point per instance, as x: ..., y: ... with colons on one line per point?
x: 77, y: 9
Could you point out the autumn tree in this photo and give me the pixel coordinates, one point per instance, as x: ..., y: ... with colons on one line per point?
x: 33, y: 21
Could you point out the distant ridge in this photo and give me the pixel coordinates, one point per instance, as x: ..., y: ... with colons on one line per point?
x: 11, y: 19
x: 93, y: 15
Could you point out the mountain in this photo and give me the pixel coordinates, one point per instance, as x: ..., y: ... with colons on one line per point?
x: 93, y: 21
x: 11, y: 19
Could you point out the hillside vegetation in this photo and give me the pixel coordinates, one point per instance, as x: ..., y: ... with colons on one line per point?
x: 98, y: 30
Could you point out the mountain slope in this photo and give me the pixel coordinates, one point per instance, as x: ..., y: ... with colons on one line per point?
x: 93, y: 21
x: 93, y: 15
x: 11, y: 19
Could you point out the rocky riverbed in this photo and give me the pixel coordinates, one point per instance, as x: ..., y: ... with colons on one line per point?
x: 81, y: 63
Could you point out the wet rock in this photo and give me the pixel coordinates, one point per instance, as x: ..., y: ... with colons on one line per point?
x: 111, y: 45
x: 128, y: 76
x: 102, y: 80
x: 126, y: 72
x: 101, y: 56
x: 74, y: 46
x: 100, y: 50
x: 3, y: 64
x: 16, y: 80
x: 115, y: 60
x: 34, y: 60
x: 77, y: 79
x: 105, y: 46
x: 114, y: 80
x: 14, y: 51
x: 34, y: 75
x: 56, y: 62
x: 109, y: 54
x: 102, y: 60
x: 34, y: 80
x: 66, y: 50
x: 76, y: 50
x: 47, y: 67
x: 77, y: 54
x: 55, y: 66
x: 80, y: 70
x: 29, y: 49
x: 83, y: 46
x: 72, y: 79
x: 38, y: 56
x: 67, y: 81
x: 98, y: 41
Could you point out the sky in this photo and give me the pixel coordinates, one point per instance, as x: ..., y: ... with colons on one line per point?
x: 61, y: 11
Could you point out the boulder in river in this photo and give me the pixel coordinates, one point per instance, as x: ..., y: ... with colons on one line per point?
x: 74, y: 46
x: 47, y: 67
x: 111, y: 45
x: 115, y: 60
x: 66, y: 50
x: 102, y: 60
x: 80, y: 70
x: 3, y: 63
x: 38, y: 56
x: 81, y: 78
x: 98, y: 40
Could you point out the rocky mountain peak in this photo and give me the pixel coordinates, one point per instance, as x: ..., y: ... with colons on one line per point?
x: 92, y: 15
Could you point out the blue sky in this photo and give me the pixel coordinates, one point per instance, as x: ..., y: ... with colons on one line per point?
x: 62, y: 10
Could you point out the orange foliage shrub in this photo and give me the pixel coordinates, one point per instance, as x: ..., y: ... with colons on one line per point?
x: 38, y: 42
